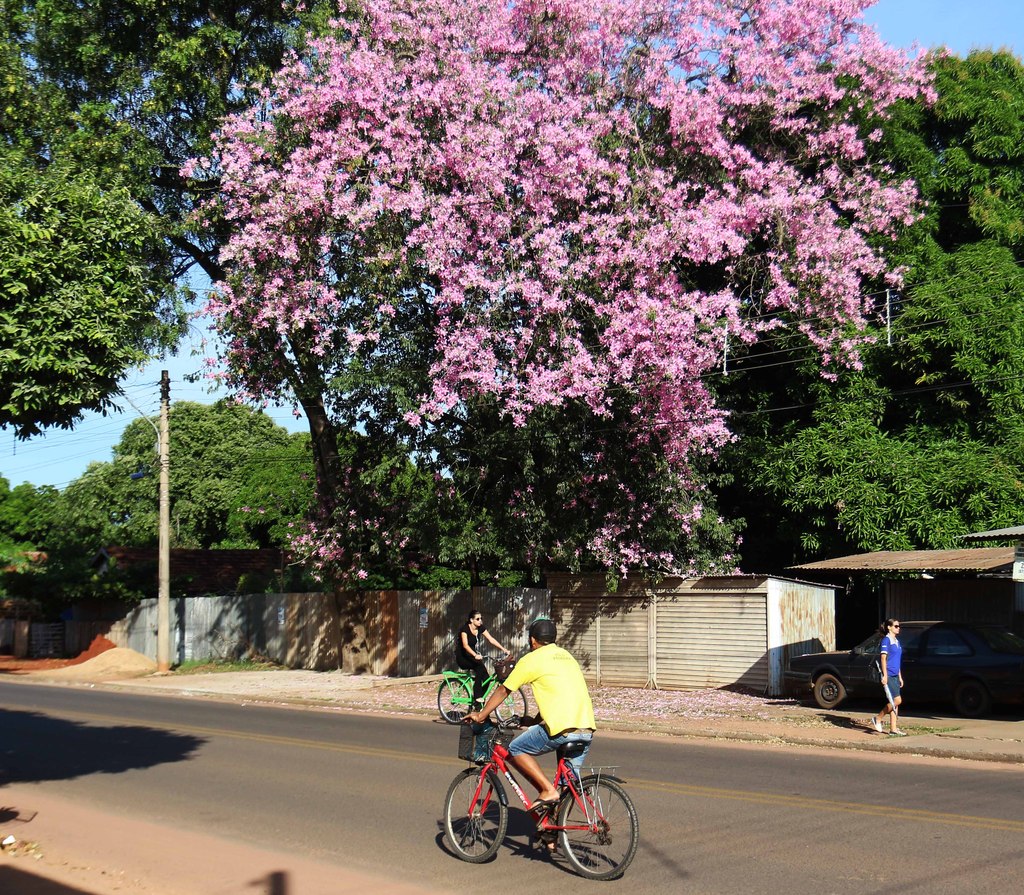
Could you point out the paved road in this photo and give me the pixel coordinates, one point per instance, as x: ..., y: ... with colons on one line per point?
x: 364, y: 792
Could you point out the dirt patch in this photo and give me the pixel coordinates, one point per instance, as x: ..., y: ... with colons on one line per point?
x: 11, y: 665
x: 99, y: 644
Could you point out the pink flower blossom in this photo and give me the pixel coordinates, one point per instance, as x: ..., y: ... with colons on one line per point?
x: 595, y: 190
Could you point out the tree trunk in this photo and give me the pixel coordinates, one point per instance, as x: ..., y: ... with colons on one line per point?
x: 324, y: 435
x: 355, y: 647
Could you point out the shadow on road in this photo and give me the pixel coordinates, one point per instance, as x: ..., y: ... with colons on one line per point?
x: 845, y: 721
x: 20, y: 882
x: 15, y: 881
x: 38, y: 747
x: 275, y: 883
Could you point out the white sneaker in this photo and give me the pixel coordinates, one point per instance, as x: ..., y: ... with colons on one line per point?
x: 875, y: 723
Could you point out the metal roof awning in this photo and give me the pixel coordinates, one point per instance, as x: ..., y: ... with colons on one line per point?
x: 974, y: 559
x: 996, y: 534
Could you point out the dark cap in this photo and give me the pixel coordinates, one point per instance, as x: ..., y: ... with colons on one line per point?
x: 543, y: 630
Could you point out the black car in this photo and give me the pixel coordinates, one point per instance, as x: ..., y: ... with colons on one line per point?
x: 970, y: 666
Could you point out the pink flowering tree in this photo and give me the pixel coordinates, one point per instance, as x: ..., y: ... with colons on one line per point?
x: 515, y: 236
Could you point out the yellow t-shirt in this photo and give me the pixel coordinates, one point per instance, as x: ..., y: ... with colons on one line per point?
x: 559, y: 688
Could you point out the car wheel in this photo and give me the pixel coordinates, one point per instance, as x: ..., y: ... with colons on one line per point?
x: 829, y: 691
x: 972, y: 699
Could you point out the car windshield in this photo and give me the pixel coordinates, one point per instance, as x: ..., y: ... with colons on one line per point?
x: 909, y: 640
x: 869, y: 646
x: 1002, y: 641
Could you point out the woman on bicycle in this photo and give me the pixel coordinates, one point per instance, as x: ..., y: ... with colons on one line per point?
x: 469, y: 658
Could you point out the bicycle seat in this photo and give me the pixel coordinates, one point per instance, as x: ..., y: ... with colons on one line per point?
x: 571, y: 750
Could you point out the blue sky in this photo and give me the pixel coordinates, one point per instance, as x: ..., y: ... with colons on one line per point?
x: 961, y: 26
x: 59, y: 457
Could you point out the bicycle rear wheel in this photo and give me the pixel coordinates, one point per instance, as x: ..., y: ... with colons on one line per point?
x: 453, y: 699
x: 603, y: 830
x: 512, y: 708
x: 475, y: 815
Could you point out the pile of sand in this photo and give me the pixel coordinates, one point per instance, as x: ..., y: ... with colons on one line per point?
x: 110, y: 665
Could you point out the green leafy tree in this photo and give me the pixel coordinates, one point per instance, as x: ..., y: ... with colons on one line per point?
x: 81, y: 266
x: 77, y: 301
x: 237, y: 480
x: 101, y: 104
x: 147, y: 82
x: 921, y: 445
x: 527, y: 496
x: 225, y: 460
x: 26, y: 519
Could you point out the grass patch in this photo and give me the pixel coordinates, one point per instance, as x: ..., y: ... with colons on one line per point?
x: 212, y: 666
x: 917, y: 729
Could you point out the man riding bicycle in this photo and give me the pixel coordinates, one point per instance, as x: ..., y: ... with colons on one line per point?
x: 563, y: 704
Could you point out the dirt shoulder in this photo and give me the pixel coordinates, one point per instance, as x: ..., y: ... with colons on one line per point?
x: 64, y: 848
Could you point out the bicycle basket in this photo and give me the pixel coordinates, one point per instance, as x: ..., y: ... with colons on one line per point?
x: 503, y: 668
x: 476, y: 741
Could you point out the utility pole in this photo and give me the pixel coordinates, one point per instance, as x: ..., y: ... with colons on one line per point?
x: 163, y: 604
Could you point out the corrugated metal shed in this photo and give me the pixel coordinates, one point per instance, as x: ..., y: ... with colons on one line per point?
x: 717, y: 631
x: 976, y: 559
x: 996, y: 534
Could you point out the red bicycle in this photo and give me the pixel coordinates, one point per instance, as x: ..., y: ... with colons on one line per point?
x: 594, y: 821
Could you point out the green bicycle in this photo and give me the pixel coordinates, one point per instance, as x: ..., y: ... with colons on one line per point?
x: 455, y: 697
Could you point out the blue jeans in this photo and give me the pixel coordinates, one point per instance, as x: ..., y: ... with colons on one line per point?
x: 537, y: 741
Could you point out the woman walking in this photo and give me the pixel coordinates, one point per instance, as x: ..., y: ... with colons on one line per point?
x: 891, y: 654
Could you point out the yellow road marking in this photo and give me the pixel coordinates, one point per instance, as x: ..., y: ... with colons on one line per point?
x: 889, y: 812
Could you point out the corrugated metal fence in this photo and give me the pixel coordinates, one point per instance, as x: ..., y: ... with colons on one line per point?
x: 679, y: 634
x: 414, y: 631
x: 298, y: 630
x: 407, y: 633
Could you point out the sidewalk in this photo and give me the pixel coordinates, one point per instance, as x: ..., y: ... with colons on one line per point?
x: 705, y: 714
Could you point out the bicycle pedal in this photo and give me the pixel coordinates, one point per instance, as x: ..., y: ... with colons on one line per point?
x: 545, y: 840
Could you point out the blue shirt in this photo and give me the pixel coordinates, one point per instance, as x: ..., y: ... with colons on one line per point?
x: 894, y: 653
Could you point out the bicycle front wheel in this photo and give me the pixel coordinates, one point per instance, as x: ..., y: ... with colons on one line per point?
x: 453, y: 699
x: 512, y: 708
x: 601, y: 829
x: 475, y: 815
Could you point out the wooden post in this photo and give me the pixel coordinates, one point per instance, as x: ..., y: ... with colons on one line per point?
x: 163, y: 609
